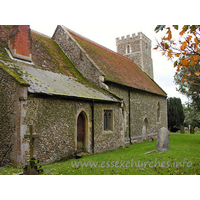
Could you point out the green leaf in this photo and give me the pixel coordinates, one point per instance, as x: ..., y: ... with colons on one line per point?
x: 176, y: 27
x: 186, y: 27
x: 193, y: 28
x: 159, y: 28
x: 175, y: 63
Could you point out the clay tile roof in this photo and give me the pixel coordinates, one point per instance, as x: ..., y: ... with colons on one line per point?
x: 51, y: 72
x: 116, y: 67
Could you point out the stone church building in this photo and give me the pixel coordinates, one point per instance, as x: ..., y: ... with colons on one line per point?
x: 79, y: 95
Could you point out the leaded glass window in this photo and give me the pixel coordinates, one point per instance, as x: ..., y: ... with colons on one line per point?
x: 107, y: 120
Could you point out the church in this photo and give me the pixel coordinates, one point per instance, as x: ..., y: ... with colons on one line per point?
x: 81, y: 96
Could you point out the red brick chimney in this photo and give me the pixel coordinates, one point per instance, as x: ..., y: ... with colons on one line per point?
x: 19, y: 42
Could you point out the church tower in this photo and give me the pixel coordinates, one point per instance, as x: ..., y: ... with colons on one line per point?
x: 138, y: 49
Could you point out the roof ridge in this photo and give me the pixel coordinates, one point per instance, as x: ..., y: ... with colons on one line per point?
x: 97, y: 43
x: 86, y: 38
x: 152, y: 87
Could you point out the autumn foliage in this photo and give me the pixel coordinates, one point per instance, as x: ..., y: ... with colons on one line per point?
x: 185, y: 53
x: 187, y: 50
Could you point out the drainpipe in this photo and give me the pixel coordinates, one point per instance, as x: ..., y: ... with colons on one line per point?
x: 92, y: 125
x: 129, y: 96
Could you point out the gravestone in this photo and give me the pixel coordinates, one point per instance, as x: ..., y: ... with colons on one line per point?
x: 196, y: 129
x: 191, y: 130
x: 182, y: 130
x: 162, y: 139
x: 32, y: 136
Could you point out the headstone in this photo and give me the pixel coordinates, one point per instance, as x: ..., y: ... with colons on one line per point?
x: 162, y: 139
x: 32, y: 136
x: 191, y: 130
x: 196, y: 129
x: 182, y: 130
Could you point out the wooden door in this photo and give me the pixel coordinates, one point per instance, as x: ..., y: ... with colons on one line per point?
x: 80, y: 132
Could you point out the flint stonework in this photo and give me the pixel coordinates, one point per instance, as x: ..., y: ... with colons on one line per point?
x: 67, y: 77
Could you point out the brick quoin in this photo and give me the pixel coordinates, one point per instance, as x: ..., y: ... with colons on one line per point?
x: 20, y: 42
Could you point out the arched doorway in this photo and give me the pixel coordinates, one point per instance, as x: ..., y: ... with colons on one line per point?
x: 80, y: 132
x: 144, y: 129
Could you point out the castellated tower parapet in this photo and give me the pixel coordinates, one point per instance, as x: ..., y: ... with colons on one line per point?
x: 137, y: 48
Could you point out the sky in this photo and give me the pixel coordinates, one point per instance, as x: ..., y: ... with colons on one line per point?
x: 103, y: 21
x: 106, y: 35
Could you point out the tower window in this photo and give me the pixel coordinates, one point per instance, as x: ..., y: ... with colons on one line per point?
x: 128, y: 49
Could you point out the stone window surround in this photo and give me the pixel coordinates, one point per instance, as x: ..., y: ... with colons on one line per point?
x: 128, y: 49
x: 111, y: 122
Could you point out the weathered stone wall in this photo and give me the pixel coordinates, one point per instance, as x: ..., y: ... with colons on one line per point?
x: 56, y: 122
x: 78, y: 57
x: 10, y: 117
x: 140, y: 51
x: 144, y: 105
x: 108, y: 140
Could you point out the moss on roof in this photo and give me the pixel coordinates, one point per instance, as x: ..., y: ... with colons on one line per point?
x: 46, y: 55
x: 46, y: 82
x: 118, y: 68
x: 15, y: 75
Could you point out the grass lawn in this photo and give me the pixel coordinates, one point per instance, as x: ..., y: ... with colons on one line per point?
x: 184, y: 150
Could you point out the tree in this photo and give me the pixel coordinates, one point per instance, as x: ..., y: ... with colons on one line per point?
x: 175, y: 113
x: 191, y: 116
x: 185, y: 53
x: 192, y: 90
